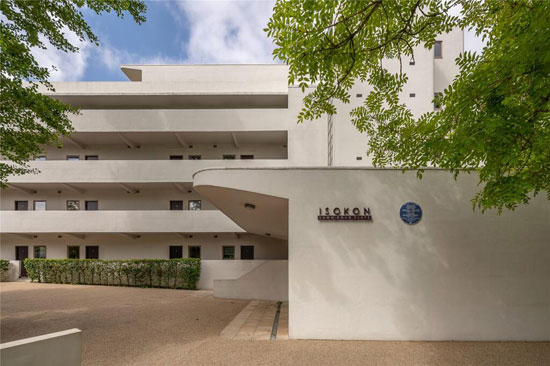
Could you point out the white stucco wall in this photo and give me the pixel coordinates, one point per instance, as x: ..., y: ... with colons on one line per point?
x: 445, y: 68
x: 456, y: 275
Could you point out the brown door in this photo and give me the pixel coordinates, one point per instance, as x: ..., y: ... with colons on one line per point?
x: 176, y: 252
x: 92, y: 252
x: 247, y: 252
x: 21, y: 253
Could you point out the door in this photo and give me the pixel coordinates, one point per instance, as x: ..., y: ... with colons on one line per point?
x: 247, y: 252
x: 194, y: 251
x: 176, y: 251
x: 92, y: 252
x: 21, y: 253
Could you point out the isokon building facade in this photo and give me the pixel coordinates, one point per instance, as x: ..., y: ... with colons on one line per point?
x: 208, y: 161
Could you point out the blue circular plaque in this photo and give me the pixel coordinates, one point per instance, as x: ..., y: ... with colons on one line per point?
x: 410, y: 213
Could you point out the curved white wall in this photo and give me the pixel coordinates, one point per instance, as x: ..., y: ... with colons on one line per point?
x: 456, y: 275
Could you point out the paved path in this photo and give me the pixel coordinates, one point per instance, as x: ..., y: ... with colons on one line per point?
x: 134, y: 326
x: 255, y: 322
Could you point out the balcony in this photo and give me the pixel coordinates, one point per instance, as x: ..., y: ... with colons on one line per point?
x: 132, y: 221
x: 129, y: 171
x: 181, y: 120
x: 182, y: 87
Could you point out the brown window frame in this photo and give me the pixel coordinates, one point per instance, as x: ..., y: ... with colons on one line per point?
x: 34, y: 205
x: 194, y: 209
x: 176, y: 202
x: 89, y: 201
x: 440, y: 56
x: 189, y: 251
x: 15, y: 205
x: 67, y: 205
x: 69, y: 251
x: 39, y: 246
x: 223, y: 252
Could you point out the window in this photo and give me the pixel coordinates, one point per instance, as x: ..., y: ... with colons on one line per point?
x: 40, y: 158
x: 229, y: 157
x: 228, y: 252
x: 176, y: 251
x: 40, y: 251
x: 359, y: 158
x: 247, y: 252
x: 21, y: 205
x: 412, y: 95
x: 91, y: 157
x: 195, y: 205
x: 92, y: 252
x: 176, y: 157
x: 73, y: 205
x: 194, y: 157
x: 247, y: 157
x: 411, y: 62
x: 39, y: 205
x: 73, y: 157
x: 437, y: 104
x: 73, y: 252
x: 92, y: 205
x: 359, y: 95
x: 176, y: 205
x: 438, y: 49
x: 194, y: 251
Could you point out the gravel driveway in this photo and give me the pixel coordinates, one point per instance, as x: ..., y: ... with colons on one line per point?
x: 134, y: 326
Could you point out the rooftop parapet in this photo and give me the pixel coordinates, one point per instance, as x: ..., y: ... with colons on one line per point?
x: 182, y: 87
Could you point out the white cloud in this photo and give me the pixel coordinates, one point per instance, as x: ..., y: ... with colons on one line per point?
x: 68, y: 66
x: 112, y: 58
x: 227, y: 31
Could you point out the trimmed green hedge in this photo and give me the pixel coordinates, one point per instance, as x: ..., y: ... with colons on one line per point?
x: 4, y: 265
x: 170, y: 273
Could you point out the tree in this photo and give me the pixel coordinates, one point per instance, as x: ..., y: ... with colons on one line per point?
x: 28, y: 118
x: 495, y: 116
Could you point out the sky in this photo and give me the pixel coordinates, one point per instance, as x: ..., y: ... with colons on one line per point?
x: 176, y: 32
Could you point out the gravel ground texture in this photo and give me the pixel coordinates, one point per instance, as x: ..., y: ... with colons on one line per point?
x: 135, y: 326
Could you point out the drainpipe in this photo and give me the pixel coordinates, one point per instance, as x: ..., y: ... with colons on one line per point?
x: 329, y: 140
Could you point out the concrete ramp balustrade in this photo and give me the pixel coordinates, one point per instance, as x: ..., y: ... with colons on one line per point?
x: 59, y: 349
x: 12, y: 274
x: 268, y: 281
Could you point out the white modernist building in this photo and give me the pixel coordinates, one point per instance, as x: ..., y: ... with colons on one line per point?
x: 208, y: 161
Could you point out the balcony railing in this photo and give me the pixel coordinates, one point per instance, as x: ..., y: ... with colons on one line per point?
x: 132, y: 221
